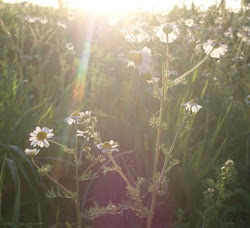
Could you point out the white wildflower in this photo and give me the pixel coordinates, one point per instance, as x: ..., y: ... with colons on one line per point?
x: 108, y: 146
x: 31, y: 152
x: 214, y: 49
x: 134, y: 34
x: 247, y: 100
x: 39, y: 137
x: 167, y: 33
x: 75, y: 117
x: 141, y: 60
x: 83, y: 134
x: 192, y: 106
x: 189, y: 22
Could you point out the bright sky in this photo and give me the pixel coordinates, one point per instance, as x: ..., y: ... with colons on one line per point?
x: 128, y: 5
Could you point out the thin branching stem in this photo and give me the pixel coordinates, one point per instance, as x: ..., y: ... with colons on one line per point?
x: 119, y: 170
x: 158, y: 139
x: 169, y: 153
x: 90, y: 166
x: 182, y: 77
x: 77, y: 201
x: 51, y: 178
x: 57, y: 143
x: 129, y: 185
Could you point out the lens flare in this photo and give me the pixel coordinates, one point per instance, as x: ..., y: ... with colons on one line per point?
x: 79, y: 88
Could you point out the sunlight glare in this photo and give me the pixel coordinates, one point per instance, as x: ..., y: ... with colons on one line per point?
x: 116, y: 6
x: 121, y: 6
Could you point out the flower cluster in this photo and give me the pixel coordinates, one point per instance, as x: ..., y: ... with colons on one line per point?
x: 35, y: 19
x: 79, y: 118
x: 39, y: 137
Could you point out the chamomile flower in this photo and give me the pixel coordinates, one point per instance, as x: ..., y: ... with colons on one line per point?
x: 141, y: 60
x: 83, y: 134
x: 229, y: 32
x: 247, y: 100
x: 39, y: 137
x: 31, y: 152
x: 192, y: 106
x: 42, y: 20
x: 108, y: 146
x: 135, y: 34
x: 189, y: 23
x: 86, y: 117
x: 75, y: 117
x: 61, y: 24
x: 167, y: 33
x: 30, y: 19
x: 215, y: 49
x: 69, y: 46
x: 151, y: 78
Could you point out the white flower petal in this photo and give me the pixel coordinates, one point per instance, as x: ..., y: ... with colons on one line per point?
x: 32, y: 138
x: 34, y: 143
x: 50, y: 135
x: 46, y: 143
x: 99, y: 146
x: 38, y: 129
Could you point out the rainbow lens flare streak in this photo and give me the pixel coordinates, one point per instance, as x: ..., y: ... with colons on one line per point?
x: 79, y: 88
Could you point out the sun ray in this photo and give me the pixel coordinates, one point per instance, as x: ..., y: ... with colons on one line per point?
x: 79, y: 88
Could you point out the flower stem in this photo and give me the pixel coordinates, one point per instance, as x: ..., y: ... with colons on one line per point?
x: 181, y: 78
x: 129, y: 186
x: 119, y: 170
x: 58, y: 144
x: 77, y: 200
x: 158, y: 140
x: 51, y: 178
x: 170, y: 152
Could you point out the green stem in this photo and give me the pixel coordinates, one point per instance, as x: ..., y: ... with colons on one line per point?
x: 59, y: 144
x: 129, y: 185
x: 77, y: 200
x: 119, y: 170
x: 170, y: 152
x: 158, y: 141
x: 181, y: 78
x: 89, y: 167
x: 51, y: 178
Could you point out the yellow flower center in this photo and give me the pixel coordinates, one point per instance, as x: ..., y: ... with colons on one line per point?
x: 216, y: 45
x: 41, y: 135
x: 135, y: 57
x: 106, y: 145
x: 147, y: 76
x: 136, y: 32
x: 167, y: 29
x: 76, y: 113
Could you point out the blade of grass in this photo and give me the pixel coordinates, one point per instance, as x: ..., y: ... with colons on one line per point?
x: 1, y: 184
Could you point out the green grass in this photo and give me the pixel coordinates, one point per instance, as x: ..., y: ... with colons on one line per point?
x: 37, y: 80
